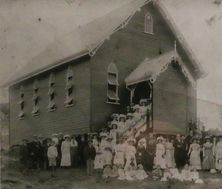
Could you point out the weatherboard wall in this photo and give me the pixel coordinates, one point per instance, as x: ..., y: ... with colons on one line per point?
x: 72, y: 120
x: 127, y: 48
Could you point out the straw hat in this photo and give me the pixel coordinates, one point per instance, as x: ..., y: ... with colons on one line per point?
x: 159, y: 138
x: 135, y: 107
x: 103, y: 135
x: 143, y: 101
x: 66, y: 136
x: 143, y: 140
x: 114, y: 123
x: 115, y: 115
x: 131, y: 140
x: 122, y: 116
x: 109, y: 138
x: 129, y: 115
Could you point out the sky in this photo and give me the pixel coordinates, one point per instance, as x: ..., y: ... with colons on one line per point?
x: 200, y: 22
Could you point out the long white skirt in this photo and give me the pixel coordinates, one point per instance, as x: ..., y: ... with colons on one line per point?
x: 66, y: 160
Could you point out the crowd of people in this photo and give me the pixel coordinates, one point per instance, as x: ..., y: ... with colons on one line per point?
x: 127, y: 151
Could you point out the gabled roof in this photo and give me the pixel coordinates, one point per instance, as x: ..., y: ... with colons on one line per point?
x: 47, y: 44
x: 180, y: 38
x: 150, y: 69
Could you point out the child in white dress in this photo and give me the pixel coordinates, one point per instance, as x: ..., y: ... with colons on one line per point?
x: 119, y: 153
x: 170, y: 161
x: 160, y: 153
x: 113, y: 132
x: 107, y: 171
x: 107, y: 156
x: 186, y: 173
x: 137, y: 114
x: 52, y: 154
x: 157, y: 173
x: 103, y: 143
x: 122, y: 124
x: 130, y: 152
x: 129, y: 121
x: 130, y: 170
x: 143, y: 108
x: 115, y: 117
x: 99, y: 162
x: 121, y: 173
x: 140, y: 174
x: 166, y: 175
x: 175, y: 173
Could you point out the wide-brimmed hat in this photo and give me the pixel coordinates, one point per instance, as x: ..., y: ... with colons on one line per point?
x: 115, y: 115
x: 66, y: 136
x: 207, y: 138
x: 129, y: 115
x: 143, y: 101
x: 103, y: 135
x: 131, y: 140
x: 109, y: 138
x: 114, y: 123
x: 122, y: 116
x: 135, y: 107
x: 54, y: 134
x: 159, y: 138
x: 143, y: 140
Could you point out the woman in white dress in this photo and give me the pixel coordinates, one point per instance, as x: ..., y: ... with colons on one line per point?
x: 130, y: 152
x: 143, y: 108
x: 137, y: 114
x: 160, y: 154
x: 218, y: 155
x: 122, y: 124
x: 129, y: 121
x: 113, y: 132
x: 66, y: 154
x: 194, y: 152
x: 119, y: 154
x: 170, y: 161
x: 98, y: 163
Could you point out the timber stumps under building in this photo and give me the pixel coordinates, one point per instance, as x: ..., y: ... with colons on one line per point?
x: 137, y: 58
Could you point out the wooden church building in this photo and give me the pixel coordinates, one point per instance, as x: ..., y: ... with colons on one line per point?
x: 144, y: 57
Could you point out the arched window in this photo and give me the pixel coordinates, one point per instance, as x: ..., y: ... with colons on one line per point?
x: 21, y: 103
x: 69, y: 88
x: 148, y: 23
x: 51, y: 93
x: 35, y: 99
x: 112, y: 84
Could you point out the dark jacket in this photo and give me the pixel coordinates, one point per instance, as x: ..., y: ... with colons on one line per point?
x: 89, y: 153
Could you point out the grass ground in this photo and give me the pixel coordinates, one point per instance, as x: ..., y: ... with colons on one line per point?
x: 12, y: 178
x: 77, y: 179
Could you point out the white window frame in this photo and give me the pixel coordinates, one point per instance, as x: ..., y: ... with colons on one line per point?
x: 21, y: 103
x: 112, y: 83
x: 52, y: 105
x: 150, y: 22
x: 35, y: 110
x: 69, y: 102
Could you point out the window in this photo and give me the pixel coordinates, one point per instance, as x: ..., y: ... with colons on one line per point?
x: 51, y: 93
x: 21, y: 103
x: 112, y: 84
x: 35, y: 99
x: 148, y: 23
x: 69, y: 88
